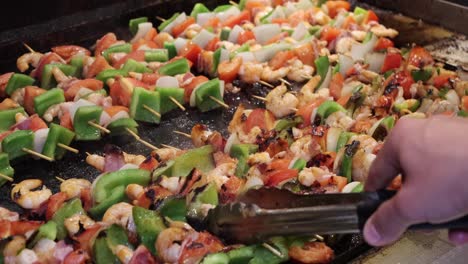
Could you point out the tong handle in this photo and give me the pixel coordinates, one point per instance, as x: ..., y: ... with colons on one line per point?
x: 373, y: 200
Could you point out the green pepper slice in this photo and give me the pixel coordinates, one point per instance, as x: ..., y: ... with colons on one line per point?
x: 77, y: 61
x: 206, y: 194
x: 44, y: 101
x: 410, y: 104
x: 67, y: 210
x: 5, y: 167
x: 160, y: 55
x: 175, y: 208
x: 17, y: 81
x: 244, y: 48
x: 263, y: 255
x: 102, y: 254
x: 222, y: 8
x: 134, y: 22
x: 422, y: 74
x: 163, y: 169
x: 132, y: 65
x: 327, y: 108
x: 7, y: 117
x: 200, y: 158
x: 110, y: 73
x: 168, y: 21
x: 14, y: 143
x: 48, y: 80
x: 122, y: 48
x: 47, y: 230
x: 57, y: 134
x: 176, y: 67
x: 322, y: 64
x: 166, y: 94
x: 343, y: 139
x: 241, y: 152
x: 84, y: 115
x: 143, y: 99
x: 171, y: 49
x: 148, y: 224
x: 205, y: 93
x: 359, y: 188
x: 216, y: 59
x: 119, y: 126
x: 241, y: 255
x: 287, y: 123
x: 198, y: 9
x: 116, y: 235
x: 299, y: 164
x: 383, y: 127
x: 116, y: 195
x: 225, y: 32
x: 216, y: 258
x: 346, y: 169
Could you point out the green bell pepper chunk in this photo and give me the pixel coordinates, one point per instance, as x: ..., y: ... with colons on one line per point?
x: 422, y: 74
x: 165, y: 23
x: 208, y: 196
x: 241, y: 152
x: 7, y: 117
x: 242, y: 4
x: 44, y: 101
x: 200, y: 158
x: 327, y: 108
x: 83, y: 130
x: 299, y: 164
x: 410, y: 104
x: 141, y: 99
x: 119, y: 126
x: 57, y: 134
x: 343, y: 139
x: 198, y: 9
x: 102, y: 254
x: 67, y: 210
x: 244, y: 48
x: 216, y: 59
x: 216, y: 258
x: 202, y: 95
x: 116, y: 235
x: 148, y: 225
x: 176, y: 67
x: 110, y: 73
x: 225, y: 32
x: 132, y: 65
x: 346, y: 169
x: 104, y: 185
x: 287, y: 123
x: 336, y: 69
x: 133, y: 24
x: 388, y: 73
x: 322, y: 64
x: 14, y: 143
x: 263, y: 255
x: 163, y: 169
x: 222, y: 8
x: 321, y: 2
x: 315, y: 30
x: 117, y: 195
x: 368, y: 37
x: 48, y: 80
x: 47, y: 230
x: 77, y: 61
x: 174, y: 208
x: 359, y: 188
x: 241, y: 255
x: 17, y: 81
x: 462, y: 113
x: 160, y: 55
x: 122, y: 48
x: 171, y: 49
x: 166, y: 103
x: 360, y: 11
x: 5, y: 167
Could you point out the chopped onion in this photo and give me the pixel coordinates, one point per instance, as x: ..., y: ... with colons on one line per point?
x: 221, y: 88
x: 232, y: 139
x: 328, y: 77
x: 81, y: 93
x: 234, y: 34
x: 375, y: 61
x: 253, y: 182
x: 339, y: 20
x: 119, y: 115
x: 263, y: 33
x: 246, y: 56
x: 277, y: 13
x: 40, y: 137
x: 143, y: 29
x: 203, y: 18
x: 313, y: 115
x: 203, y: 38
x: 452, y: 97
x: 105, y: 119
x: 167, y: 82
x: 289, y: 8
x: 350, y: 186
x: 128, y: 166
x: 232, y: 11
x: 293, y: 161
x: 304, y: 4
x: 346, y: 63
x: 333, y: 135
x: 359, y: 50
x: 266, y: 53
x: 224, y: 56
x: 193, y: 101
x: 180, y: 43
x: 348, y: 88
x: 299, y: 32
x: 78, y: 104
x: 179, y: 19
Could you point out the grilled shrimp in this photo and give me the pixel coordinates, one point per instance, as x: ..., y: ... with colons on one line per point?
x: 359, y: 35
x: 173, y: 184
x: 133, y: 159
x: 72, y: 187
x: 366, y: 142
x: 299, y: 71
x: 200, y: 135
x: 22, y: 194
x: 307, y: 93
x: 59, y: 75
x: 124, y: 253
x: 343, y: 45
x: 163, y: 37
x: 8, y: 215
x: 381, y: 31
x: 118, y: 214
x: 340, y: 119
x: 165, y: 154
x: 44, y: 250
x: 18, y: 95
x: 51, y: 112
x: 221, y: 173
x: 309, y: 176
x: 192, y: 31
x: 259, y: 158
x: 168, y: 244
x: 250, y: 72
x: 26, y: 256
x: 362, y: 161
x: 74, y: 223
x: 27, y: 59
x: 280, y: 102
x: 133, y: 191
x: 311, y: 252
x: 12, y: 248
x: 96, y: 161
x: 270, y: 75
x: 305, y: 148
x: 439, y: 106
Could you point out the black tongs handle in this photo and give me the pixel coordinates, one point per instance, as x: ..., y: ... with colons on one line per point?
x: 374, y: 200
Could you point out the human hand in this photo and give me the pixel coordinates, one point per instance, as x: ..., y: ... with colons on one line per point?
x: 432, y: 156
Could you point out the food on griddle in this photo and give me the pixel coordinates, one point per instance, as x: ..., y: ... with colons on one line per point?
x: 319, y: 134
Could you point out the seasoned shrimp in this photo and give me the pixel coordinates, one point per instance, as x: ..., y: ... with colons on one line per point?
x: 8, y: 215
x: 72, y: 187
x: 200, y: 135
x: 280, y: 102
x: 221, y: 173
x: 362, y: 161
x: 124, y: 253
x: 270, y: 75
x: 163, y: 37
x: 27, y: 59
x: 343, y: 45
x: 305, y: 147
x: 366, y: 142
x: 192, y: 31
x: 22, y: 194
x: 133, y: 159
x: 74, y: 223
x: 118, y: 214
x: 440, y: 106
x: 381, y: 31
x: 259, y: 158
x: 312, y: 252
x: 165, y: 154
x: 12, y: 248
x: 299, y: 71
x: 18, y: 95
x: 308, y: 176
x: 168, y: 244
x: 307, y: 93
x: 96, y: 161
x: 133, y: 191
x: 359, y: 35
x: 26, y: 256
x: 59, y: 75
x: 44, y: 249
x: 250, y: 72
x: 340, y: 119
x: 52, y: 112
x: 173, y: 184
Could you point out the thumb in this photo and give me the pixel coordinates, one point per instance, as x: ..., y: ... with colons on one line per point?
x: 388, y: 223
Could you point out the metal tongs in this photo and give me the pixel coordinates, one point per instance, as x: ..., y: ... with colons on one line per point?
x: 263, y: 213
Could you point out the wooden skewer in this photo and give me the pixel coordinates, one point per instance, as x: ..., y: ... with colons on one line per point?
x: 319, y: 237
x: 6, y: 177
x: 60, y: 179
x: 37, y: 154
x: 308, y: 77
x: 273, y: 250
x: 87, y: 153
x: 183, y: 134
x: 177, y: 103
x: 233, y: 3
x: 167, y: 146
x: 103, y: 129
x: 266, y: 84
x: 29, y: 48
x: 285, y: 82
x: 138, y: 138
x: 160, y: 18
x: 151, y: 110
x: 221, y: 103
x: 74, y: 150
x: 294, y: 109
x: 259, y: 98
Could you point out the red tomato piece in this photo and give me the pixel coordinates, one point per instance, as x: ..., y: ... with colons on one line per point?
x: 383, y: 44
x: 99, y: 64
x: 237, y: 20
x: 336, y: 85
x: 245, y: 36
x: 54, y: 203
x: 212, y: 45
x: 228, y: 70
x: 262, y: 118
x: 419, y: 57
x: 371, y: 16
x: 192, y: 85
x: 306, y: 54
x: 329, y: 33
x: 37, y: 123
x: 306, y: 111
x: 280, y: 59
x: 442, y: 80
x: 191, y: 51
x: 30, y: 92
x: 277, y: 177
x: 180, y: 28
x: 392, y: 61
x: 335, y: 6
x: 103, y: 43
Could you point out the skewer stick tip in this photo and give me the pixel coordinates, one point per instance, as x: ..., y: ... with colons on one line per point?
x: 183, y: 134
x: 160, y: 18
x: 221, y: 103
x: 74, y: 150
x: 103, y: 129
x: 266, y: 84
x: 29, y: 48
x: 285, y: 82
x: 177, y: 103
x: 273, y: 250
x: 37, y: 154
x: 6, y: 177
x: 59, y: 178
x: 259, y: 98
x: 151, y: 110
x: 168, y: 146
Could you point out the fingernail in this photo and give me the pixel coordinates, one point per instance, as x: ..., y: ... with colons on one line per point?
x: 371, y: 235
